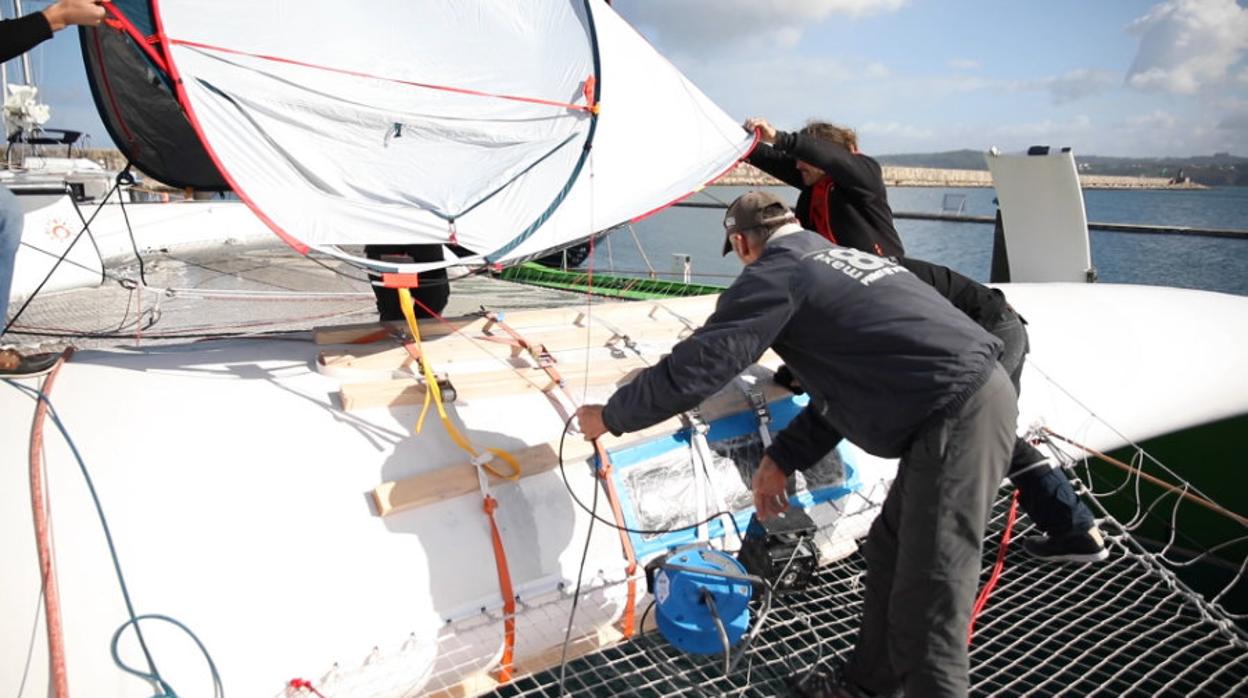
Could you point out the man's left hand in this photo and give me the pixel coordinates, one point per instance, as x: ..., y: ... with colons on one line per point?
x: 590, y: 419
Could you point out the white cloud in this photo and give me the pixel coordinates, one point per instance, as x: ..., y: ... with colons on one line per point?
x: 1156, y: 120
x: 1234, y: 117
x: 1186, y: 45
x: 877, y: 71
x: 1079, y: 83
x: 700, y: 25
x: 1047, y: 128
x: 964, y: 64
x: 893, y: 131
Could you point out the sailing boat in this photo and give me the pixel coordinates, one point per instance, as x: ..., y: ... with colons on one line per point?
x: 271, y: 498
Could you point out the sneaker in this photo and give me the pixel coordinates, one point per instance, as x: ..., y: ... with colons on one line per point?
x: 1088, y: 546
x: 16, y: 365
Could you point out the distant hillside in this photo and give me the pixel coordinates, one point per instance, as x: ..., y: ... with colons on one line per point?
x: 1218, y: 170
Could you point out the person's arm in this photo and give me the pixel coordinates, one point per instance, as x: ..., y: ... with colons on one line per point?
x: 804, y: 441
x: 67, y: 12
x: 777, y: 164
x: 780, y: 165
x: 848, y: 170
x: 749, y: 316
x: 17, y: 36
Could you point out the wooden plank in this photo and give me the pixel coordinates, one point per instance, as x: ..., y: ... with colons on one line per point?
x: 693, y: 308
x: 461, y: 479
x: 446, y: 351
x: 605, y: 636
x: 482, y: 682
x: 470, y: 386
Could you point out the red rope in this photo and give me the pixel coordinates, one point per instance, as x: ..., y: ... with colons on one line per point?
x: 145, y: 43
x: 982, y: 601
x: 304, y: 684
x: 40, y: 509
x: 428, y: 86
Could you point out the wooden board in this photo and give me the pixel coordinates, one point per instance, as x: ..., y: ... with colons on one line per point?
x: 448, y: 350
x: 486, y: 384
x: 461, y: 479
x: 694, y: 309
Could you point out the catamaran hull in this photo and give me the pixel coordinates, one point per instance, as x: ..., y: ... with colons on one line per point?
x: 235, y: 488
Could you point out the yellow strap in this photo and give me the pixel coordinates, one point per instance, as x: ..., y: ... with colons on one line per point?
x: 433, y: 394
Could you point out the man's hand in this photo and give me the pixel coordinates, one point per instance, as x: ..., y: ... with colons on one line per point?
x: 590, y: 419
x: 767, y: 132
x: 770, y: 494
x: 88, y: 13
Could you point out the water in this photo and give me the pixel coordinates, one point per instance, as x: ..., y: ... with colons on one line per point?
x: 1215, y: 264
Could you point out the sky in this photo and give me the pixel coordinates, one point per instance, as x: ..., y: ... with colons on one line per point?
x: 1135, y: 78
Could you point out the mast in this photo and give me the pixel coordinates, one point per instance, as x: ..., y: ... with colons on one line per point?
x: 27, y: 74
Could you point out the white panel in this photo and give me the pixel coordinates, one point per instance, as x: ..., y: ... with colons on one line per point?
x: 50, y: 226
x: 1046, y: 228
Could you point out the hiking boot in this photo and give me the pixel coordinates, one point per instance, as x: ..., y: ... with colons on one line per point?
x: 15, y: 365
x: 1086, y: 546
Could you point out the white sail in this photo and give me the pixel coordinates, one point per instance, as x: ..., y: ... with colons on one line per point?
x: 508, y: 128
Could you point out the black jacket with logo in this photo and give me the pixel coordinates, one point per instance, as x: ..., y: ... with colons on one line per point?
x: 858, y: 209
x: 878, y: 350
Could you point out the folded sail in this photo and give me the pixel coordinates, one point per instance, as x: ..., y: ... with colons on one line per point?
x: 505, y: 128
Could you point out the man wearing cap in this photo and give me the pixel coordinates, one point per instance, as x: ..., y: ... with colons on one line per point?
x: 888, y: 364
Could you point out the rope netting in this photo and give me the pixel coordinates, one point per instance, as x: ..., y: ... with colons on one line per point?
x: 233, y: 292
x: 1123, y: 627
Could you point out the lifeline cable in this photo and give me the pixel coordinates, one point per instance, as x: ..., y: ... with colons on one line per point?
x: 576, y: 596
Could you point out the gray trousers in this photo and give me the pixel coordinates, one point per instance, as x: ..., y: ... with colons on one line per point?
x: 923, y: 551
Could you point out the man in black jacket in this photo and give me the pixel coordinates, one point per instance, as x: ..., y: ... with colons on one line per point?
x: 17, y: 36
x: 890, y: 365
x: 1045, y: 493
x: 843, y: 197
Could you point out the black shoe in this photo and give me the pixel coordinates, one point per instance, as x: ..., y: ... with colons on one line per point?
x: 15, y: 365
x: 1087, y: 546
x: 824, y: 682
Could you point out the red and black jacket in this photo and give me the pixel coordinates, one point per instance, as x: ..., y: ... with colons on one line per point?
x: 857, y: 211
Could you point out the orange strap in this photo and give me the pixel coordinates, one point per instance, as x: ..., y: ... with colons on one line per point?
x: 628, y: 624
x: 506, y: 665
x: 539, y: 354
x: 481, y: 460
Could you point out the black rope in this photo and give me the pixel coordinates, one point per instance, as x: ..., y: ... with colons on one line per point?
x: 85, y: 227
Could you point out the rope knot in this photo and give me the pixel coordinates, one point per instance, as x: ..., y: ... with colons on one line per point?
x: 482, y: 458
x: 490, y: 504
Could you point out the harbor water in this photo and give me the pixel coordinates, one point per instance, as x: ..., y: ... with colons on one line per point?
x: 1183, y: 260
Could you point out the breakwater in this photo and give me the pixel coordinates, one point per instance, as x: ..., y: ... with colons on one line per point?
x: 747, y: 175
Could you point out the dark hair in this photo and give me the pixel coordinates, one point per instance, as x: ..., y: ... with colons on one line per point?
x: 832, y: 133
